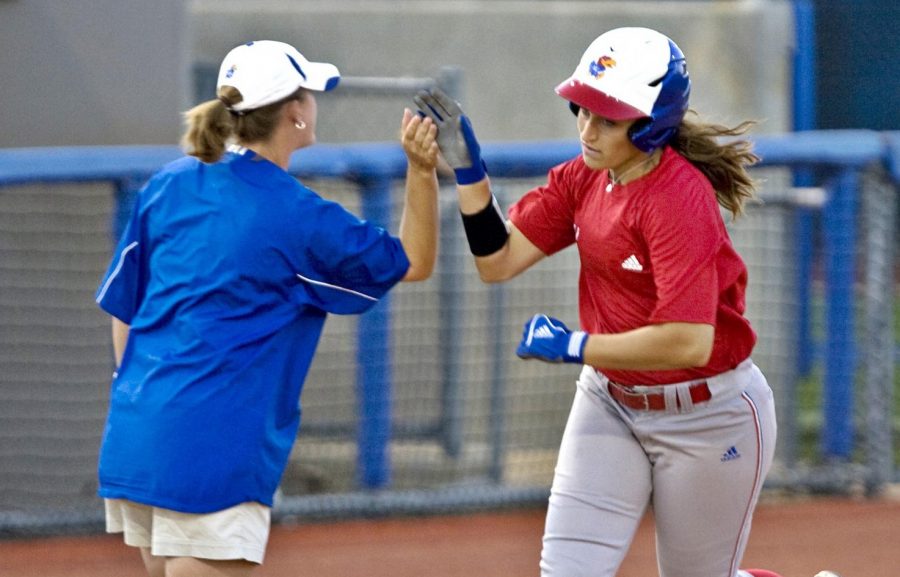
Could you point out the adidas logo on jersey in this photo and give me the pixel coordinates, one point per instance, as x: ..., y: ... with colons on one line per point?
x: 543, y: 333
x: 731, y: 454
x: 632, y: 263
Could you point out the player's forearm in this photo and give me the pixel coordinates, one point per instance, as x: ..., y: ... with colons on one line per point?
x: 516, y: 256
x: 419, y: 223
x: 654, y: 347
x: 120, y: 332
x: 474, y: 197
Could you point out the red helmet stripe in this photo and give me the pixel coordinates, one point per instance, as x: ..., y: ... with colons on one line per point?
x: 596, y: 101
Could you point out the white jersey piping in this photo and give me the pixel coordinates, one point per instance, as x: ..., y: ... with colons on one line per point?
x: 116, y: 271
x: 325, y: 284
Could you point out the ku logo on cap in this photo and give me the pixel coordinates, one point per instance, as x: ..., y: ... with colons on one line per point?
x: 600, y: 66
x: 231, y: 70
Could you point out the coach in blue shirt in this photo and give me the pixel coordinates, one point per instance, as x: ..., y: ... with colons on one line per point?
x: 219, y: 289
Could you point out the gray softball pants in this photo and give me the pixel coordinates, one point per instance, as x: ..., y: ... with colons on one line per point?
x: 699, y: 466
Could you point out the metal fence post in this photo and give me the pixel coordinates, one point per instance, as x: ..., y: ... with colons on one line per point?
x: 450, y: 291
x: 839, y: 223
x: 804, y: 112
x: 497, y: 305
x: 450, y: 79
x: 374, y: 378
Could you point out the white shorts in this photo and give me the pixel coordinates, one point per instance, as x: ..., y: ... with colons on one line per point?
x: 240, y: 532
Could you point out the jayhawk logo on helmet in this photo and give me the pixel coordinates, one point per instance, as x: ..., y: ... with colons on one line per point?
x: 600, y: 66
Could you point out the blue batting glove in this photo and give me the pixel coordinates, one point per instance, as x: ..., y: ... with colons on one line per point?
x: 548, y: 339
x: 477, y: 169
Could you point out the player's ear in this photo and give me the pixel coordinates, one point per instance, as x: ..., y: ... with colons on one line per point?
x: 292, y: 111
x: 293, y: 107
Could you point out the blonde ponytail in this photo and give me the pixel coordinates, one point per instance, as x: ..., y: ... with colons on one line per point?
x: 209, y: 126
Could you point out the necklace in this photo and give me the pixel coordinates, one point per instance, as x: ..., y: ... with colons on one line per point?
x: 612, y: 177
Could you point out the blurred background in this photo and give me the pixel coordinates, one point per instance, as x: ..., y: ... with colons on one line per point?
x: 120, y: 72
x: 420, y: 406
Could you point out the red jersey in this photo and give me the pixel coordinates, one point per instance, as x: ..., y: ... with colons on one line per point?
x: 652, y: 251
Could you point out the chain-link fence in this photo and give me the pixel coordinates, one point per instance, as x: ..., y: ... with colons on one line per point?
x: 463, y: 424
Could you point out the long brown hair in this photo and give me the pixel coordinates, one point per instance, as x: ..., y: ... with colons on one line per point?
x: 210, y: 125
x: 725, y: 164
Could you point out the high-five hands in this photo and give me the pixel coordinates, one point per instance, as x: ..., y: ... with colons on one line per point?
x: 418, y: 136
x: 548, y: 339
x: 455, y: 136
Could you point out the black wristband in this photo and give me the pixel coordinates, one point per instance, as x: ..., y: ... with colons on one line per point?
x: 486, y: 230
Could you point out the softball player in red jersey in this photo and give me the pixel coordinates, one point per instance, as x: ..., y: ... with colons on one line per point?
x: 669, y: 411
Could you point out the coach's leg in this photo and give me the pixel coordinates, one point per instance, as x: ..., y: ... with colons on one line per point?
x: 601, y: 489
x: 135, y: 522
x: 190, y: 567
x: 156, y: 566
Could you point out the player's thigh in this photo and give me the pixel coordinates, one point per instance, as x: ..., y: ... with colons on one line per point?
x: 706, y: 489
x: 600, y: 490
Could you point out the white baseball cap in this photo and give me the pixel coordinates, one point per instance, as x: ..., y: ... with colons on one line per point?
x: 266, y: 71
x: 619, y: 74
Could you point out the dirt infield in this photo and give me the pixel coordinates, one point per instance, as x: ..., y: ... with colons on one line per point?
x: 856, y: 538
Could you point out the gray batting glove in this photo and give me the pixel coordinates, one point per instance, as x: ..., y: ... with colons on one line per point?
x: 455, y: 138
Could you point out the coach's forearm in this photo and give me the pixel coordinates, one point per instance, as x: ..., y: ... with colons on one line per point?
x: 419, y: 222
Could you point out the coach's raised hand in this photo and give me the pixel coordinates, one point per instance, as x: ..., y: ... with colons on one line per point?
x: 456, y: 139
x: 548, y: 339
x: 418, y: 136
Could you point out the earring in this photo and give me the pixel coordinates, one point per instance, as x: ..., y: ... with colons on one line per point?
x: 299, y: 124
